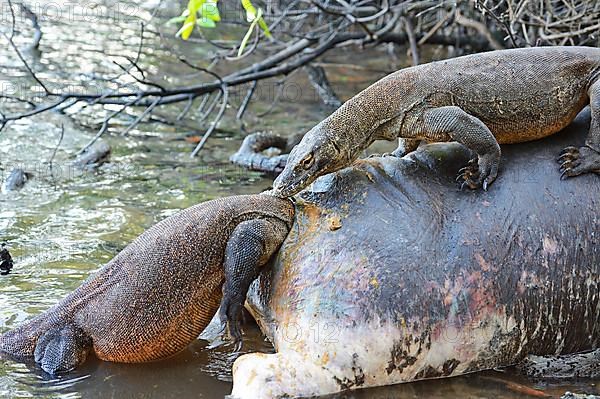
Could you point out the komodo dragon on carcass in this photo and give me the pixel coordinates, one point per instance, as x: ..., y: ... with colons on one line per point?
x: 480, y: 100
x: 158, y: 294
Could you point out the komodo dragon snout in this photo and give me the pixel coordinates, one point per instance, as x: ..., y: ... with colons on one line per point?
x: 316, y: 155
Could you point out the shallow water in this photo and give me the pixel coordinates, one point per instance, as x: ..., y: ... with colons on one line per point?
x: 65, y: 224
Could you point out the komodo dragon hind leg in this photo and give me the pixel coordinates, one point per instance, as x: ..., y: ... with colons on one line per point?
x: 452, y: 123
x: 61, y: 349
x: 576, y: 161
x: 576, y: 365
x: 249, y: 247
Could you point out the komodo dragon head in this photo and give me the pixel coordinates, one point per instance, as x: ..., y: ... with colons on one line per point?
x: 318, y: 154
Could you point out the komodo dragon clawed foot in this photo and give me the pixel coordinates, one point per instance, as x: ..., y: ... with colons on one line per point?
x: 468, y: 175
x: 61, y: 349
x: 576, y: 161
x: 478, y: 173
x: 230, y: 314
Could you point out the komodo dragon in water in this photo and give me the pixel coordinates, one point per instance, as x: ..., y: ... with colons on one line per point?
x: 158, y: 294
x: 480, y: 100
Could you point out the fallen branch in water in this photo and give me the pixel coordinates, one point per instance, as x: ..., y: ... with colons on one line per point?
x: 250, y: 154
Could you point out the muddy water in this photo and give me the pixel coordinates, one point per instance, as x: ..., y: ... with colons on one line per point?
x: 65, y: 224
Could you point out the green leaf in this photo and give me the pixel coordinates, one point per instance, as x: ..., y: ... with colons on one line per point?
x: 209, y: 10
x: 186, y: 30
x: 176, y: 20
x: 264, y: 27
x: 250, y: 10
x: 252, y: 14
x: 194, y: 5
x: 190, y: 21
x: 249, y: 33
x: 206, y: 23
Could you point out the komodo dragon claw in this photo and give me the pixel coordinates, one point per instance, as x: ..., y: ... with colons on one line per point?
x: 469, y: 175
x: 568, y: 153
x: 230, y: 315
x: 576, y: 161
x: 478, y: 173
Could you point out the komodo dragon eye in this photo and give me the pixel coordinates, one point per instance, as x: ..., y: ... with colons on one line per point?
x: 308, y: 161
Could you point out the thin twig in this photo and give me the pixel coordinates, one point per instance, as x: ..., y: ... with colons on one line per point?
x: 137, y: 120
x: 186, y: 109
x: 198, y: 68
x: 214, y: 124
x: 210, y: 108
x: 104, y: 127
x: 60, y: 139
x: 18, y: 52
x: 142, y: 81
x: 247, y: 98
x: 502, y: 23
x: 414, y: 50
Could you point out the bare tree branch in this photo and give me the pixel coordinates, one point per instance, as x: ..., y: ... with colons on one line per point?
x: 214, y: 124
x: 304, y: 30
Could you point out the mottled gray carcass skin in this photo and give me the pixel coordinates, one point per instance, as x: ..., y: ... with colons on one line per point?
x: 391, y: 274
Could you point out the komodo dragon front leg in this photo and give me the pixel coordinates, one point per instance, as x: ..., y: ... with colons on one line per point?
x: 576, y: 161
x: 453, y: 124
x: 250, y: 246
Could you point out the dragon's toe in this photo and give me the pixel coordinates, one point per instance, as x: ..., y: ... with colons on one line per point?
x: 569, y: 164
x: 230, y: 315
x: 576, y: 161
x: 477, y: 173
x: 470, y: 176
x: 61, y: 349
x: 568, y: 154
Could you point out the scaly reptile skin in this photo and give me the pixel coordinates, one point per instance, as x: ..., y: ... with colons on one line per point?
x: 161, y: 291
x: 480, y: 100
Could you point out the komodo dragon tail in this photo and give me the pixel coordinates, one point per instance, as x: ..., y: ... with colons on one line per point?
x: 21, y: 341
